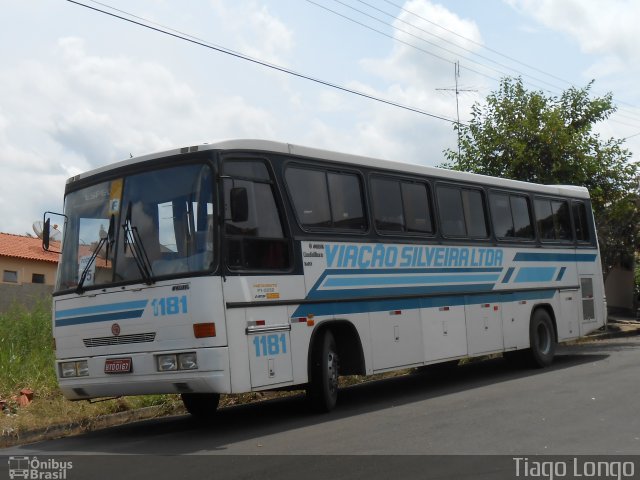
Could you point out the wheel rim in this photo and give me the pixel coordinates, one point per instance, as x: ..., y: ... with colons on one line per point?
x: 544, y: 339
x: 332, y: 371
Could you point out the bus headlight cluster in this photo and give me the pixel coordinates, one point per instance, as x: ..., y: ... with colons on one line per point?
x: 74, y: 369
x: 177, y: 361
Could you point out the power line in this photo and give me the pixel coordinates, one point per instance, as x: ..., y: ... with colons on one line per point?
x: 346, y: 17
x: 473, y: 41
x: 194, y: 40
x: 617, y: 101
x: 443, y: 40
x: 632, y: 115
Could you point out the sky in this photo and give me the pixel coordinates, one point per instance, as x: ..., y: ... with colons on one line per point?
x: 80, y: 89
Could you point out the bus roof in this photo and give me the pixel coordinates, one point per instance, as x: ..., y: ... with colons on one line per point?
x: 255, y: 145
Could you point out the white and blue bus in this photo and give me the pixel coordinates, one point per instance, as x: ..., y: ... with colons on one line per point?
x: 251, y: 265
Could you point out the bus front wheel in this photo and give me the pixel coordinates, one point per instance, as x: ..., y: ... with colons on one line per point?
x: 201, y: 405
x: 542, y: 338
x: 322, y: 390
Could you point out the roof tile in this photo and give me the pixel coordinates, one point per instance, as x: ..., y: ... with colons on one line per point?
x: 28, y: 248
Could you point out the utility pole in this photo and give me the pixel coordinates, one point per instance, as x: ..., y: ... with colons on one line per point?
x: 457, y: 91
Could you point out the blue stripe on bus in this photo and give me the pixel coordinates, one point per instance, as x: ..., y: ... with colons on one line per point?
x: 507, y: 276
x: 535, y: 274
x: 368, y: 306
x: 396, y: 291
x: 104, y: 317
x: 390, y: 280
x: 554, y: 257
x: 561, y: 274
x: 110, y: 307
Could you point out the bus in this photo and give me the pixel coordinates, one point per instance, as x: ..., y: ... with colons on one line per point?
x: 250, y: 265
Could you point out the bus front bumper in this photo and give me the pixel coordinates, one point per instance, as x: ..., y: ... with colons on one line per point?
x: 144, y: 377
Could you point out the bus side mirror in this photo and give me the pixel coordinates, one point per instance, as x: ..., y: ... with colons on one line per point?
x: 239, y: 204
x: 52, y: 235
x: 45, y: 234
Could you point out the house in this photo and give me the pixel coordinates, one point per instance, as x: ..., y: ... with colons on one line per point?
x: 28, y: 272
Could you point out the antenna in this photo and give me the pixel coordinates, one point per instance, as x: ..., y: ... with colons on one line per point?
x: 54, y: 234
x: 457, y: 91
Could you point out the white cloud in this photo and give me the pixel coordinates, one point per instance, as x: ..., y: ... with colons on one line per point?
x: 412, y: 78
x: 259, y: 34
x: 84, y: 110
x: 601, y: 28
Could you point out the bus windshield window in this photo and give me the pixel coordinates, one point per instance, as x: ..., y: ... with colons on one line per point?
x: 171, y: 210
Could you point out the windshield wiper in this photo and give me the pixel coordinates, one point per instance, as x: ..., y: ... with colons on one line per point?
x: 134, y: 241
x: 104, y: 240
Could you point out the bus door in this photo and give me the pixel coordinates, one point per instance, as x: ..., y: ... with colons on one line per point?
x: 258, y: 255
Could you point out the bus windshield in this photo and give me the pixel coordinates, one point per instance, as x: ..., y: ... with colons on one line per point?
x: 161, y: 225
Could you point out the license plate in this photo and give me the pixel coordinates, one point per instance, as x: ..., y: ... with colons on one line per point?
x: 117, y: 365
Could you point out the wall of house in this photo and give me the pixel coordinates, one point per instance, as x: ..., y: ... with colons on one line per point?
x: 26, y: 269
x: 24, y: 292
x: 619, y: 291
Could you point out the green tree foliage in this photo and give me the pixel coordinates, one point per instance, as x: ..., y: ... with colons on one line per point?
x: 526, y: 135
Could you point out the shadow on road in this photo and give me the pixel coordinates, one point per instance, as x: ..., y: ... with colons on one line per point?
x: 183, y: 434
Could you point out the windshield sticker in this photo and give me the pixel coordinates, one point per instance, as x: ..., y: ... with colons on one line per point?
x: 115, y: 196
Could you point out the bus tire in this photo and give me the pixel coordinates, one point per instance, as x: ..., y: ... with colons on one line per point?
x: 542, y: 339
x: 322, y: 391
x: 201, y: 405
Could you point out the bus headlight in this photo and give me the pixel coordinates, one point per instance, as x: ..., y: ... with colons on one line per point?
x: 187, y: 361
x: 82, y: 368
x: 177, y: 361
x: 68, y: 369
x: 167, y: 363
x: 74, y: 369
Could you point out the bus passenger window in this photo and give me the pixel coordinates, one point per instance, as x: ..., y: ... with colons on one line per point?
x: 387, y: 205
x: 475, y: 216
x: 400, y: 206
x: 417, y: 209
x: 462, y: 212
x: 511, y: 217
x: 451, y: 212
x: 346, y: 201
x: 552, y: 217
x: 326, y: 199
x: 258, y: 241
x: 310, y: 196
x: 580, y: 222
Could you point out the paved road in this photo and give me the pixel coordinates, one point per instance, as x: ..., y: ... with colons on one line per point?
x: 587, y: 403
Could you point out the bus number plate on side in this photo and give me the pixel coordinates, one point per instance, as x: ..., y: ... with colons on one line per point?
x: 117, y: 365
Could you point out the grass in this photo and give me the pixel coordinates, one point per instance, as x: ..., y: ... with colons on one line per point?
x: 27, y: 361
x: 26, y: 351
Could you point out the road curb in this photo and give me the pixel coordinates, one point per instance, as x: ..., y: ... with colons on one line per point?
x: 616, y: 328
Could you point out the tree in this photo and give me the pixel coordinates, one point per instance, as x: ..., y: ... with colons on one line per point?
x: 526, y: 135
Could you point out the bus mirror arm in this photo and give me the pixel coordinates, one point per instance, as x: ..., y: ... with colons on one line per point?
x: 239, y: 204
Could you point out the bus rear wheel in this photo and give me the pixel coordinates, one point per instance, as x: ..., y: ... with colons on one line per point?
x: 322, y: 391
x: 201, y: 405
x: 542, y: 339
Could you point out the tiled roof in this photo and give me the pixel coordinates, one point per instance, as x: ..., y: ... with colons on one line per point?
x: 28, y: 248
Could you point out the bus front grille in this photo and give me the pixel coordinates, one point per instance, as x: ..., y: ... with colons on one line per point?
x: 119, y: 340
